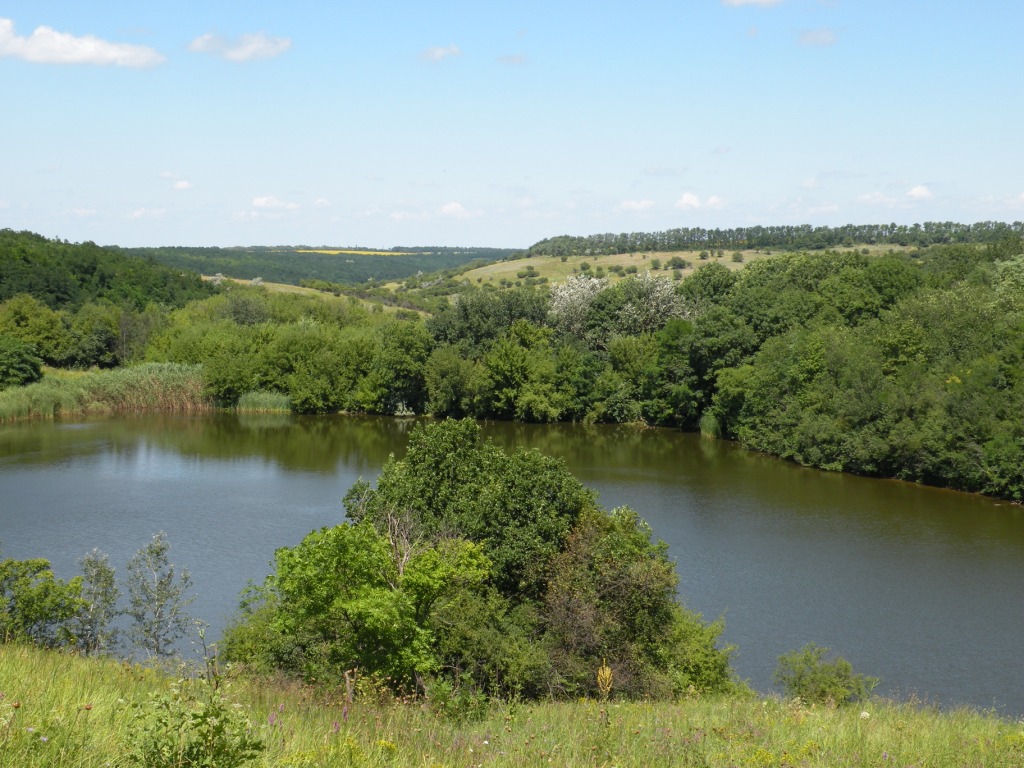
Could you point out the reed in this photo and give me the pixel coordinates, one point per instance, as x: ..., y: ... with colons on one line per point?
x: 264, y: 402
x: 167, y: 387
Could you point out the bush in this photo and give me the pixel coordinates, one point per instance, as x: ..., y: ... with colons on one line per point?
x: 808, y: 675
x: 19, y: 363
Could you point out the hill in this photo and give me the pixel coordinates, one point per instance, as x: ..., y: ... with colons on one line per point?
x: 333, y: 265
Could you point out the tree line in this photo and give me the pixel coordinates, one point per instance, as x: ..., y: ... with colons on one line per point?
x: 904, y: 365
x: 782, y: 237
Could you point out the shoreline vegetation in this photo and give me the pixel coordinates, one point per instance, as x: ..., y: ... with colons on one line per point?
x: 60, y: 710
x: 900, y: 364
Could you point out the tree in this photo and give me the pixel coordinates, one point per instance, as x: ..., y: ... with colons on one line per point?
x: 807, y: 674
x: 35, y: 606
x: 19, y: 363
x: 100, y: 593
x: 157, y: 598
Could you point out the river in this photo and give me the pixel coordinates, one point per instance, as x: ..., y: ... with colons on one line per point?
x: 921, y: 587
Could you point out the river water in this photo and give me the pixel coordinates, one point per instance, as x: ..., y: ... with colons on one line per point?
x: 921, y: 587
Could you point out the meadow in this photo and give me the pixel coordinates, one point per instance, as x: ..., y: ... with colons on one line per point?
x: 62, y: 711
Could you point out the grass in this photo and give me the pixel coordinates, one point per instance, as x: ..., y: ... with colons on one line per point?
x: 356, y: 252
x: 60, y: 710
x: 168, y: 387
x: 264, y: 402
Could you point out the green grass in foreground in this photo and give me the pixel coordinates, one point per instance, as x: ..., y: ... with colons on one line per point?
x: 60, y: 710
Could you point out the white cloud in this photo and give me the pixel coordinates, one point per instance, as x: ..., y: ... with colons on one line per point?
x: 322, y: 202
x: 688, y: 201
x: 636, y: 205
x: 822, y: 36
x: 438, y: 53
x: 245, y: 48
x: 270, y: 202
x: 920, y: 192
x: 875, y: 198
x: 810, y: 183
x: 147, y: 213
x: 513, y: 60
x: 48, y: 46
x: 454, y: 210
x: 761, y: 3
x: 182, y: 185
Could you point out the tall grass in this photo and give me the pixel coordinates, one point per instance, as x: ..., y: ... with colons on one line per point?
x: 147, y: 387
x: 77, y: 712
x: 264, y: 402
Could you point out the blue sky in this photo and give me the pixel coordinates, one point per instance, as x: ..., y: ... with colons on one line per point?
x: 447, y: 123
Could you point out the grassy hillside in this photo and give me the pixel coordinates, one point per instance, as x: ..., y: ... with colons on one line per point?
x: 63, y: 711
x: 334, y: 265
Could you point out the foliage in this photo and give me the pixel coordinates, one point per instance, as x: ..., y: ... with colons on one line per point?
x: 19, y: 363
x: 157, y: 598
x: 468, y: 569
x: 807, y: 674
x: 35, y: 606
x: 93, y: 625
x: 186, y: 730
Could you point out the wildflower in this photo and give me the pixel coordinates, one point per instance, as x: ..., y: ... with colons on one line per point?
x: 271, y: 719
x: 335, y: 726
x: 44, y: 739
x: 865, y: 715
x: 16, y: 705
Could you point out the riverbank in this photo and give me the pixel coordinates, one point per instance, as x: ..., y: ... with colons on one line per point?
x: 146, y: 388
x: 58, y: 710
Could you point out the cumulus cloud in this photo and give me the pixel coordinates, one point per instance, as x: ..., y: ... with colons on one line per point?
x: 822, y: 36
x: 438, y: 53
x: 48, y: 46
x: 454, y: 210
x: 761, y: 3
x: 920, y: 192
x: 636, y: 205
x: 270, y: 202
x: 245, y: 48
x: 690, y: 201
x: 875, y: 198
x: 715, y: 203
x: 182, y: 185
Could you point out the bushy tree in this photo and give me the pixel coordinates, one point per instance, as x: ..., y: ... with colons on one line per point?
x: 93, y: 625
x: 157, y: 598
x: 35, y: 606
x: 808, y: 674
x: 470, y: 566
x: 19, y: 363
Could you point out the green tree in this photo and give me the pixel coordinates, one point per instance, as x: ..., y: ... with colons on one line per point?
x: 35, y: 606
x: 807, y: 673
x: 93, y: 626
x: 19, y: 363
x: 157, y: 598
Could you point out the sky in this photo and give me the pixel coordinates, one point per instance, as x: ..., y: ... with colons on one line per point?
x: 383, y: 124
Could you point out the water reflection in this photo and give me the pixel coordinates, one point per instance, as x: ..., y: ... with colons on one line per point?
x: 919, y: 586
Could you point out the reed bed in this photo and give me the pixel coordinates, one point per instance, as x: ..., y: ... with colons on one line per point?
x: 60, y: 710
x: 166, y: 387
x: 264, y: 402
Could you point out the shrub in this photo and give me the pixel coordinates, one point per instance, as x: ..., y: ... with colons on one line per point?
x: 808, y: 675
x: 19, y: 363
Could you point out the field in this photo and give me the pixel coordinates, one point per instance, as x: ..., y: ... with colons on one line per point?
x: 64, y: 711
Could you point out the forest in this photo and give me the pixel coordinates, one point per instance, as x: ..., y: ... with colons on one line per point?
x: 905, y: 365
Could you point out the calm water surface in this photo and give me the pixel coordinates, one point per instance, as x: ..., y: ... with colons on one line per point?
x: 921, y: 587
